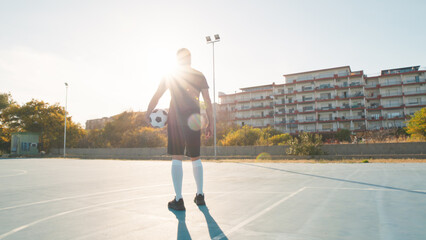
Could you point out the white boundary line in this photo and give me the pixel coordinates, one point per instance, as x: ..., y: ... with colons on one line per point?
x: 15, y: 230
x: 83, y: 195
x: 21, y: 173
x: 363, y: 189
x: 257, y: 215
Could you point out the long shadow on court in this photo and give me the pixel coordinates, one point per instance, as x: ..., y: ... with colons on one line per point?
x: 215, y: 231
x: 182, y: 232
x: 337, y: 179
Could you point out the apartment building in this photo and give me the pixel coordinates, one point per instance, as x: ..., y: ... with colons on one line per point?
x: 330, y: 99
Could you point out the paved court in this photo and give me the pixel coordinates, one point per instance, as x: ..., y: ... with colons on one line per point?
x: 106, y: 199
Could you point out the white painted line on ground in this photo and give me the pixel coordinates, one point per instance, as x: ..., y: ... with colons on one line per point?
x: 257, y: 215
x: 21, y: 172
x: 15, y: 230
x: 83, y: 195
x: 362, y: 189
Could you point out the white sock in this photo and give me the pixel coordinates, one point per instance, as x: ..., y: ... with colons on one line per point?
x: 177, y: 175
x: 197, y: 167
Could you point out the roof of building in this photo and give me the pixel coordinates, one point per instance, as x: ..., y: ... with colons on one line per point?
x: 26, y: 133
x: 267, y: 85
x: 320, y: 70
x: 400, y: 70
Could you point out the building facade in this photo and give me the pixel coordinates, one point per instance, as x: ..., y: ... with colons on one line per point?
x: 25, y: 143
x: 330, y: 99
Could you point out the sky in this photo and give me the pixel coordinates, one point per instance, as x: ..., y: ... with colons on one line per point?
x: 114, y: 53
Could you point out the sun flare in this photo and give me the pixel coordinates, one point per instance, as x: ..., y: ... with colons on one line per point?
x: 163, y: 63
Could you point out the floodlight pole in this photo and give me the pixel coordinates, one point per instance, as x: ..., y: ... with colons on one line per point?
x: 217, y: 39
x: 65, y: 119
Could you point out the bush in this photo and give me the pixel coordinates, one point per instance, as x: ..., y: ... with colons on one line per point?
x: 416, y: 126
x: 144, y: 137
x: 343, y: 135
x: 245, y: 136
x: 306, y: 144
x: 281, y: 139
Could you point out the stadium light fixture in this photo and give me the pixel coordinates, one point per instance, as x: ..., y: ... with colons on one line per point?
x: 209, y: 40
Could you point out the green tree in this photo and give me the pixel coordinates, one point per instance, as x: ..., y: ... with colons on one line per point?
x: 306, y: 144
x: 267, y: 133
x: 38, y: 116
x: 222, y: 129
x: 416, y: 126
x: 144, y: 137
x: 113, y: 131
x: 245, y: 136
x: 5, y: 100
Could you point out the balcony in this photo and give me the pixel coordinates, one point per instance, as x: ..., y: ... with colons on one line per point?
x: 414, y: 81
x: 372, y: 95
x: 355, y: 106
x: 328, y: 130
x: 393, y: 83
x: 397, y: 105
x: 357, y: 95
x: 415, y: 104
x: 326, y: 119
x: 307, y: 89
x: 415, y: 92
x: 374, y: 117
x: 327, y: 98
x: 373, y: 106
x: 307, y: 120
x: 324, y: 109
x: 258, y: 107
x: 355, y: 118
x: 308, y: 109
x: 345, y: 106
x: 372, y: 85
x: 324, y: 87
x: 391, y: 94
x: 355, y: 84
x: 393, y: 116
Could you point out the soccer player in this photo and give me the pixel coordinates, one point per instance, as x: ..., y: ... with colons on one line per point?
x: 184, y: 122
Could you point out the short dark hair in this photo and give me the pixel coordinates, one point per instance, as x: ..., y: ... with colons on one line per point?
x: 183, y: 56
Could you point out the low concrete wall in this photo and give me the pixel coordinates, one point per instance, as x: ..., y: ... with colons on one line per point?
x: 333, y: 151
x: 375, y: 149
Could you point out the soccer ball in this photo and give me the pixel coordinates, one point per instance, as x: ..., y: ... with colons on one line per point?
x: 158, y: 118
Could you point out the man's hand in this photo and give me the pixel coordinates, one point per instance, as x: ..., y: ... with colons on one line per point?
x: 209, y: 131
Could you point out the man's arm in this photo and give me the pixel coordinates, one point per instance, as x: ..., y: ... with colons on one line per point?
x: 154, y: 101
x: 209, y: 110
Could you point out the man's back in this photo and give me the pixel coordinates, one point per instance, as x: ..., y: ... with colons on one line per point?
x: 185, y: 85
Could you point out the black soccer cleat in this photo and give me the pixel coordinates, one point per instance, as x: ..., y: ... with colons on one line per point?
x: 199, y: 199
x: 177, y: 205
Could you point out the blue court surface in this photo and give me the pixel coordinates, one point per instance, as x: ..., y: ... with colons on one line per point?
x: 108, y: 199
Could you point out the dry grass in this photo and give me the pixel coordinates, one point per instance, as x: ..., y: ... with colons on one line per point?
x: 409, y: 160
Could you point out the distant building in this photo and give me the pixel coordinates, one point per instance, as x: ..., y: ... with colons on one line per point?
x: 25, y: 143
x: 101, y: 122
x: 330, y: 99
x: 98, y: 123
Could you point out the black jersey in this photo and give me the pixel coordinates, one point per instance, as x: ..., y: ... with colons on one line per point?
x: 185, y: 85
